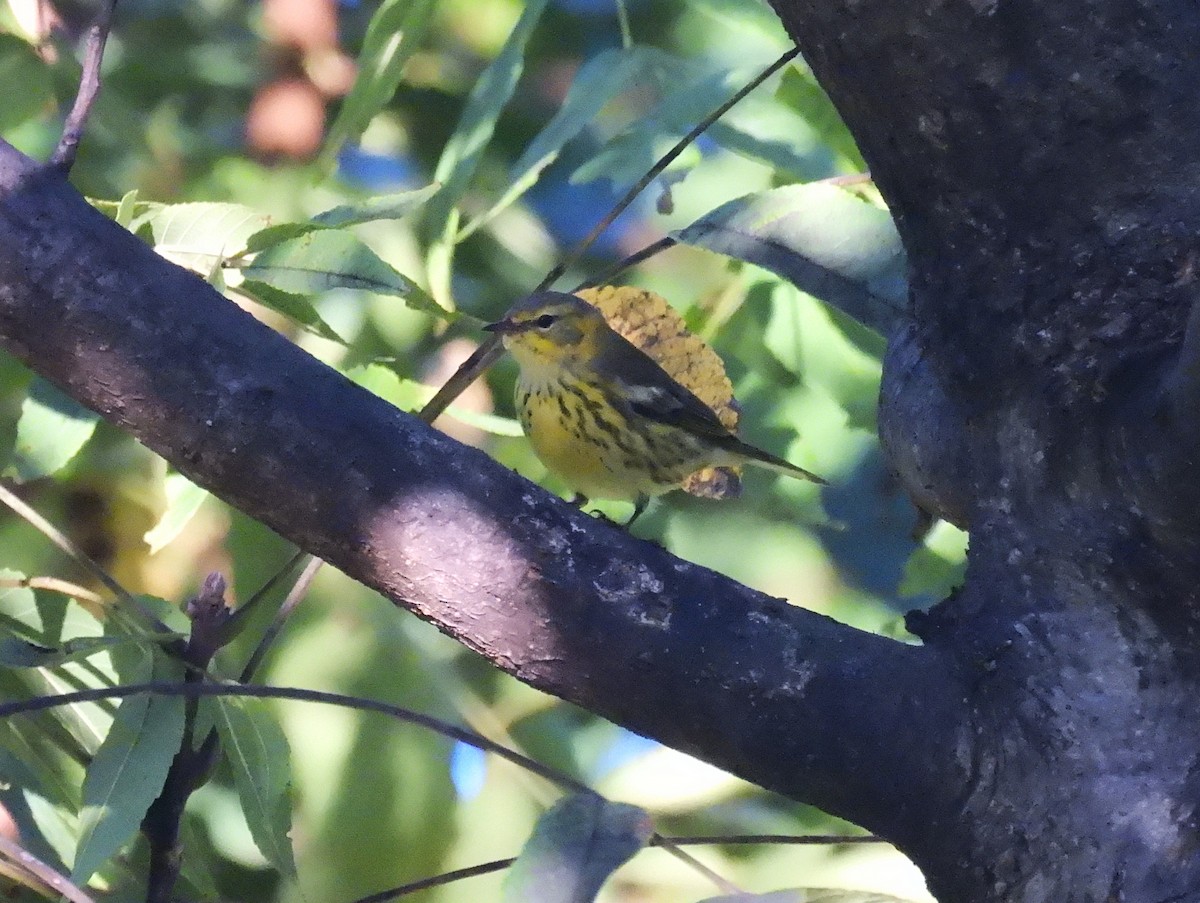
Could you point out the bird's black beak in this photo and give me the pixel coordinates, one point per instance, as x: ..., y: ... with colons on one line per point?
x: 503, y: 327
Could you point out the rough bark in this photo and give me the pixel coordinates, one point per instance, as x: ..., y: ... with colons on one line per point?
x: 784, y: 697
x: 1042, y: 159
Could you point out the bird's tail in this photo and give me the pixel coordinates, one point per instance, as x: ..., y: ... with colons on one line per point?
x: 757, y: 456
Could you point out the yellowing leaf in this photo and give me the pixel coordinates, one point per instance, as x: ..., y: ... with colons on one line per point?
x: 654, y: 326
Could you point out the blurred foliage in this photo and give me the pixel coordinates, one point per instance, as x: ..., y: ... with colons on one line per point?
x: 235, y: 139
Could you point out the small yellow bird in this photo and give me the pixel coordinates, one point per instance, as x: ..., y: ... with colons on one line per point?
x: 604, y: 416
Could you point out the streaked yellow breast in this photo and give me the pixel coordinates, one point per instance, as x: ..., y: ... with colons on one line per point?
x: 586, y: 442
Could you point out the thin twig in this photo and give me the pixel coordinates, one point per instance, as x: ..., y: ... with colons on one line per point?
x: 470, y: 871
x: 633, y: 259
x: 44, y: 873
x: 54, y: 585
x: 666, y: 160
x: 89, y: 88
x: 258, y: 691
x: 658, y: 840
x: 488, y: 352
x: 723, y: 884
x: 238, y: 620
x: 781, y: 839
x: 297, y: 592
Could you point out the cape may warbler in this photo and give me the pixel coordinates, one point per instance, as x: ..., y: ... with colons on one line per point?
x: 604, y: 416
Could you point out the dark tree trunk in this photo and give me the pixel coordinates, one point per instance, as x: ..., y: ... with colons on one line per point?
x: 1042, y: 159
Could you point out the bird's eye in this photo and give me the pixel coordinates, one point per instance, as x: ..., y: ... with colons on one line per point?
x: 545, y: 321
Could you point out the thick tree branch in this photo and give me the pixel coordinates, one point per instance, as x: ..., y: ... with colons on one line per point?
x: 784, y: 697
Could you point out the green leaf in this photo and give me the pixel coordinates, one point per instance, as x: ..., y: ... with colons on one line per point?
x: 687, y: 93
x: 762, y: 130
x: 257, y: 750
x: 733, y: 14
x: 301, y: 309
x: 50, y: 621
x: 596, y: 83
x: 394, y: 33
x: 799, y: 90
x: 51, y: 431
x: 44, y: 619
x: 385, y: 206
x: 756, y: 127
x: 277, y: 234
x: 127, y: 209
x: 31, y: 90
x: 575, y: 846
x: 463, y: 151
x: 936, y: 566
x: 200, y: 236
x: 822, y: 239
x: 127, y: 772
x: 18, y: 653
x: 323, y: 260
x: 184, y: 499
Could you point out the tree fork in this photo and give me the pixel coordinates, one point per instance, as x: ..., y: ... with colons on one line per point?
x: 784, y: 697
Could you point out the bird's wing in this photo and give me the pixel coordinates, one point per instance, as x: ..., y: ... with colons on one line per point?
x: 650, y: 392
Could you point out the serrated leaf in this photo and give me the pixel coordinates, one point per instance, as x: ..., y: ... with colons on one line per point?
x: 322, y: 260
x: 394, y: 33
x: 51, y: 431
x: 200, y: 236
x: 301, y: 309
x: 29, y: 77
x: 575, y: 846
x: 184, y: 499
x: 822, y: 239
x: 277, y: 234
x: 258, y: 752
x: 386, y: 206
x: 596, y: 83
x: 127, y: 772
x: 465, y: 147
